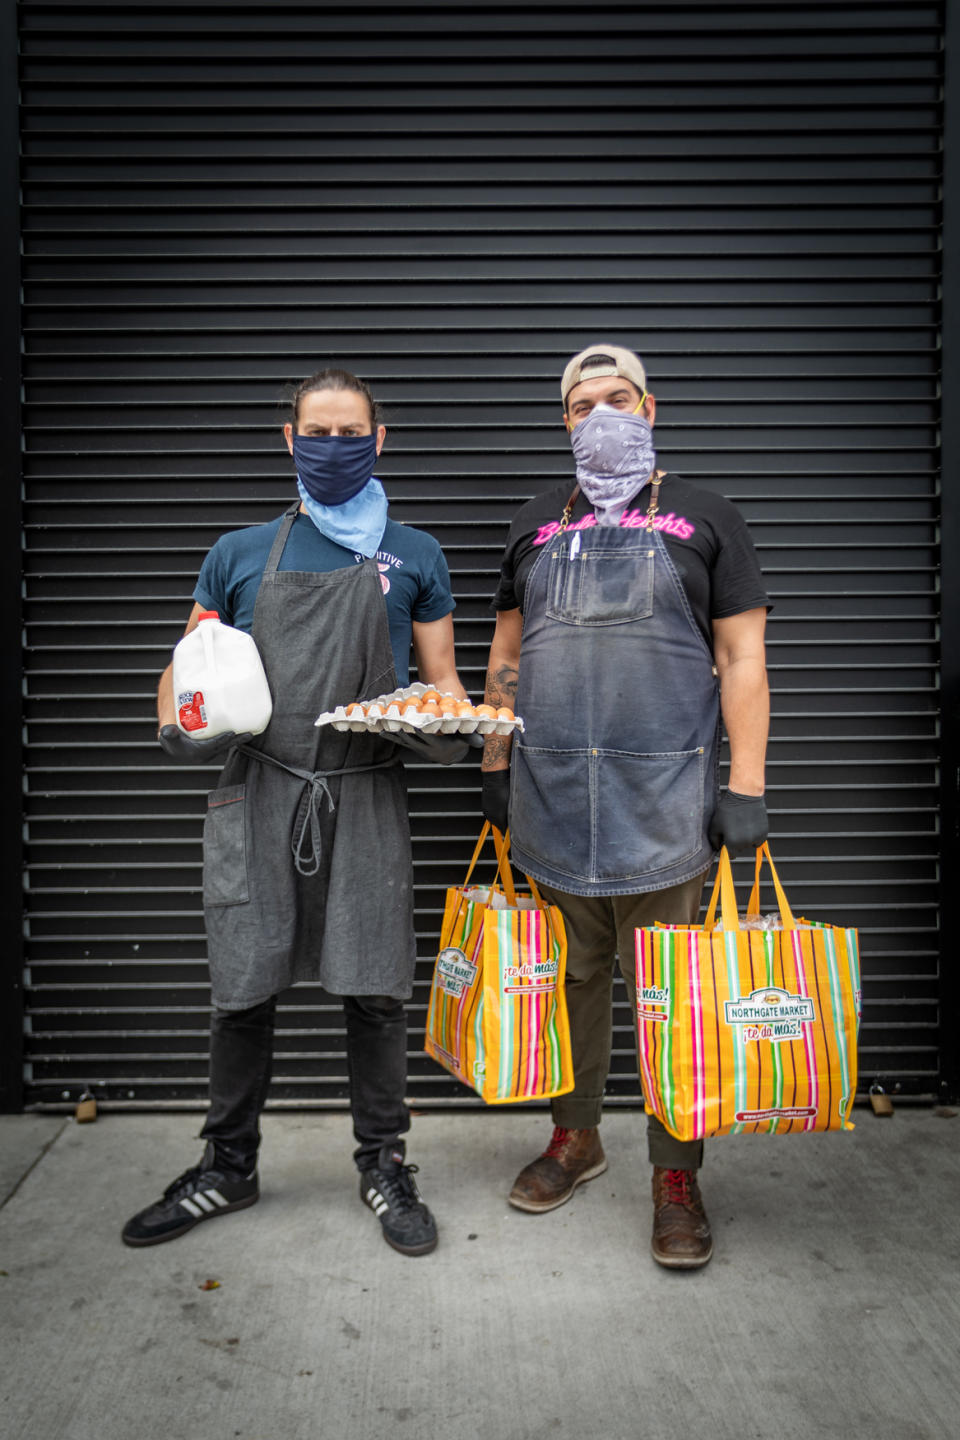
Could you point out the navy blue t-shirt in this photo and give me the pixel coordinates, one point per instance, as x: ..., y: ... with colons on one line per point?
x: 413, y: 574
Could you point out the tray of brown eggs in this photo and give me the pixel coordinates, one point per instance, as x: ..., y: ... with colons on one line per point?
x: 421, y: 707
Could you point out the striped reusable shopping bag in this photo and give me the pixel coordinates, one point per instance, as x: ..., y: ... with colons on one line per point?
x: 498, y: 1011
x: 748, y: 1030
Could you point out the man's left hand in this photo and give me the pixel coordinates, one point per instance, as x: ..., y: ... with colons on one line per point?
x: 441, y: 749
x: 188, y: 751
x: 739, y: 822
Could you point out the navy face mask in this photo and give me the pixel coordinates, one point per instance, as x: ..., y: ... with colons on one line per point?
x: 334, y: 468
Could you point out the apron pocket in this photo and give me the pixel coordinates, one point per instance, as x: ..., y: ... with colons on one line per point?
x: 599, y: 585
x: 549, y: 807
x: 225, y: 848
x: 648, y: 811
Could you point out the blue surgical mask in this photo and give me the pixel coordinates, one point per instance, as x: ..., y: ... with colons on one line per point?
x: 334, y: 468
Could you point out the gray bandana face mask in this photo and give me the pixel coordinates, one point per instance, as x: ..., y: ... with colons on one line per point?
x: 615, y: 459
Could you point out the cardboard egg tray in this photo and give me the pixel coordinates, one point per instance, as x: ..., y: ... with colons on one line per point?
x: 386, y: 713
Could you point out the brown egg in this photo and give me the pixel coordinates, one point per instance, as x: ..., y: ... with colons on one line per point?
x: 505, y: 713
x: 465, y: 709
x: 486, y: 712
x: 356, y: 711
x: 431, y: 696
x: 430, y: 709
x: 448, y: 706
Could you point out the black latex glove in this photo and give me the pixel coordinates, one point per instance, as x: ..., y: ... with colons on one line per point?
x: 198, y: 752
x: 441, y: 749
x: 495, y: 798
x: 739, y: 822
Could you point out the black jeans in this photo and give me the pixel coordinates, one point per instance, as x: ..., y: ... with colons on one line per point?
x: 241, y: 1057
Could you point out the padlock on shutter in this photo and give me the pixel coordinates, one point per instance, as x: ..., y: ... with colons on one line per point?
x: 880, y: 1100
x: 86, y: 1110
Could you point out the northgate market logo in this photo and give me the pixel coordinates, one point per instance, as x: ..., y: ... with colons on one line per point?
x: 456, y: 972
x: 770, y: 1014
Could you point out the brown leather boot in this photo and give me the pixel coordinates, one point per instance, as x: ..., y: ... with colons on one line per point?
x: 681, y: 1230
x: 571, y: 1157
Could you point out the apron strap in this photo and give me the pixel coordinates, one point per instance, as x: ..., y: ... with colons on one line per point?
x: 280, y: 540
x: 568, y: 509
x: 656, y: 480
x: 306, y: 823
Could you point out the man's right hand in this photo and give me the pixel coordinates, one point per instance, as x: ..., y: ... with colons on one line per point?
x: 495, y: 798
x: 180, y: 747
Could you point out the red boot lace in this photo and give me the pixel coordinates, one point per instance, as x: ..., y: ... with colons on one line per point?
x: 557, y: 1142
x: 677, y: 1187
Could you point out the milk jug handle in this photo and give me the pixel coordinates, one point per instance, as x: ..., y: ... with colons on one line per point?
x: 209, y: 652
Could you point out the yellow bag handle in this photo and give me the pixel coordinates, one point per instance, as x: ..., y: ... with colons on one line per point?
x: 501, y: 845
x: 724, y: 889
x: 753, y: 908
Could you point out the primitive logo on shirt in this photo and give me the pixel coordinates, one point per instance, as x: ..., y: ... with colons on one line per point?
x: 770, y: 1014
x: 385, y: 561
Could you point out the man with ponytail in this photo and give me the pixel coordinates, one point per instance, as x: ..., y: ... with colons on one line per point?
x: 307, y: 858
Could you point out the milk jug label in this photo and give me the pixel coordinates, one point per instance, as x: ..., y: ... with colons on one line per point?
x: 191, y: 712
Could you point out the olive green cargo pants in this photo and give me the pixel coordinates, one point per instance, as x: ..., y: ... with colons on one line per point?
x: 600, y: 929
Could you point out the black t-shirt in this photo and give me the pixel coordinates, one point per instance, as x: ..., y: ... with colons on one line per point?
x: 705, y: 535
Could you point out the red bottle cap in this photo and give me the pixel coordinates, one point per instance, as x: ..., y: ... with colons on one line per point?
x: 208, y: 615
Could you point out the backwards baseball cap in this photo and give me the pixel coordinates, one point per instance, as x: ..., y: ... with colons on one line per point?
x: 598, y: 361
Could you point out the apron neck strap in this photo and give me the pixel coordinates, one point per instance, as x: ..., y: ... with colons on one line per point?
x: 276, y: 549
x: 656, y: 480
x: 568, y: 509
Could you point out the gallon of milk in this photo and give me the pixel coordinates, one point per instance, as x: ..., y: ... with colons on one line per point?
x: 219, y: 682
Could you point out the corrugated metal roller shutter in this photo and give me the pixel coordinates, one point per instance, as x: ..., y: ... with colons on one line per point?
x: 451, y: 200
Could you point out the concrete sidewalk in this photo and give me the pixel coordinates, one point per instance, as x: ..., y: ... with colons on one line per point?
x: 831, y: 1308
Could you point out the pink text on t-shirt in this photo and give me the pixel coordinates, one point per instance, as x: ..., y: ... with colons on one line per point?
x: 670, y: 524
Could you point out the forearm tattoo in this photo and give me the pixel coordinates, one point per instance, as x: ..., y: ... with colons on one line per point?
x: 501, y: 689
x: 496, y: 752
x: 502, y: 686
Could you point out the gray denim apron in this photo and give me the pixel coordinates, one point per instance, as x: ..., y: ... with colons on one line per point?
x: 613, y: 782
x: 307, y: 871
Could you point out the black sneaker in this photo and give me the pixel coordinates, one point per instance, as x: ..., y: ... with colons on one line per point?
x: 198, y: 1194
x: 391, y: 1192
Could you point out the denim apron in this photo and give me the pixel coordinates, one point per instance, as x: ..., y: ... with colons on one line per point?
x: 614, y: 780
x: 307, y: 868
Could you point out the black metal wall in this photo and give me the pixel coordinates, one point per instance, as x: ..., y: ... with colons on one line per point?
x: 218, y: 197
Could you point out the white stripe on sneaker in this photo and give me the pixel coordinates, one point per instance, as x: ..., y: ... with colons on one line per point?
x: 216, y: 1197
x: 202, y: 1201
x: 192, y: 1209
